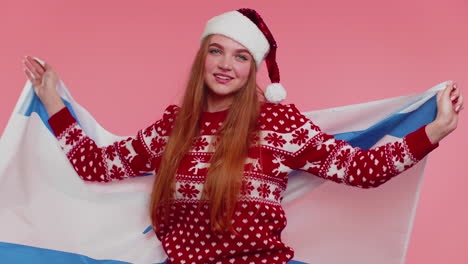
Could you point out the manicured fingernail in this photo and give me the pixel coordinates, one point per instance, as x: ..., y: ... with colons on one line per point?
x: 452, y: 98
x: 457, y: 109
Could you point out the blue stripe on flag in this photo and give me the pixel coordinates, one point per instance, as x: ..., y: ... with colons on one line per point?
x: 397, y: 125
x: 19, y: 254
x: 149, y: 228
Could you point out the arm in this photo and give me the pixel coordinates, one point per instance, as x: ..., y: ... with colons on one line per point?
x: 130, y: 157
x: 338, y: 161
x: 126, y: 158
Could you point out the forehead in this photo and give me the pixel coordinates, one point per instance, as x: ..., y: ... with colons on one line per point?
x: 226, y: 42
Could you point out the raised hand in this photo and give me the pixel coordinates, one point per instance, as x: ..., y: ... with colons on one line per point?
x: 449, y: 105
x: 44, y: 80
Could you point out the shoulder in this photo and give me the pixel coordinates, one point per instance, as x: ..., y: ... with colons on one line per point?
x: 171, y: 110
x: 284, y: 127
x: 281, y: 117
x: 164, y: 124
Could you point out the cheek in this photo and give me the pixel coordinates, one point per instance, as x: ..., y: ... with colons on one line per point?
x: 243, y: 71
x: 209, y: 64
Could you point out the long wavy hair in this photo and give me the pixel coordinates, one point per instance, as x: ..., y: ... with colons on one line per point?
x: 224, y: 176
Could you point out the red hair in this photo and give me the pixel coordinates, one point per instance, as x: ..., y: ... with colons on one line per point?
x: 224, y: 176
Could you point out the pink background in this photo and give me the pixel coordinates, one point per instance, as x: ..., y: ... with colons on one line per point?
x: 126, y: 61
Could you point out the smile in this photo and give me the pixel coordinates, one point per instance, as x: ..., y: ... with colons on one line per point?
x: 222, y: 78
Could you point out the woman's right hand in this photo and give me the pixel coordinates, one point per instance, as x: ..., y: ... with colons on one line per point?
x: 44, y: 80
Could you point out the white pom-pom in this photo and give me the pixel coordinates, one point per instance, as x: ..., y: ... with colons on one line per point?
x: 275, y: 93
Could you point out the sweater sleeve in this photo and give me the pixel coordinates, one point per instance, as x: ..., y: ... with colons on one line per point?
x: 325, y: 156
x: 130, y: 157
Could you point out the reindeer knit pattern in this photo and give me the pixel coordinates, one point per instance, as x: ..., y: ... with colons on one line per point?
x: 287, y: 141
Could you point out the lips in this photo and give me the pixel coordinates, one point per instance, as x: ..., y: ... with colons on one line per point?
x: 222, y: 78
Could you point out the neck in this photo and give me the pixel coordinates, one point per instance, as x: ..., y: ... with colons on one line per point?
x: 216, y: 103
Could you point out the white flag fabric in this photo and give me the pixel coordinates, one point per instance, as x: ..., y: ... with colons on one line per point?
x: 49, y: 215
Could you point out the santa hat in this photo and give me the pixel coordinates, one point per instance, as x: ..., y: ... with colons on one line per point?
x: 247, y: 27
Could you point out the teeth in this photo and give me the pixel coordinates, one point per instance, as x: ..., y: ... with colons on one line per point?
x: 223, y: 77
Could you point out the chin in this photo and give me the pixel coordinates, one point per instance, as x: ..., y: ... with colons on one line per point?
x: 221, y: 94
x: 221, y: 90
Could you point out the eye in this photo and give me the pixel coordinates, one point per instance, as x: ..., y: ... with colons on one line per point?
x: 214, y: 51
x: 243, y: 57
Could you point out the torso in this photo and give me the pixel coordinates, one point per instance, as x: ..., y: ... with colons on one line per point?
x: 258, y: 218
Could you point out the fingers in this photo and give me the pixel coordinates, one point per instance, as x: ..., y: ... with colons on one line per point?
x: 443, y: 94
x: 33, y: 66
x: 459, y: 105
x: 456, y: 97
x: 454, y: 92
x: 37, y: 62
x: 31, y: 77
x: 31, y: 72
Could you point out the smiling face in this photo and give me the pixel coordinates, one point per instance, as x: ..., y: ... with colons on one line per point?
x: 227, y: 68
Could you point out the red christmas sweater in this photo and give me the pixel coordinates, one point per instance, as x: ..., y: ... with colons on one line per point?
x: 287, y: 141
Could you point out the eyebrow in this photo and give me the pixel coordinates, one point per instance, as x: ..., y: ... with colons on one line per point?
x: 221, y: 47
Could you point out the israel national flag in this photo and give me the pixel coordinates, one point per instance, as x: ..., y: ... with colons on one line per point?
x: 49, y: 215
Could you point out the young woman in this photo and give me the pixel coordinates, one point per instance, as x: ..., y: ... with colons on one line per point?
x: 222, y: 157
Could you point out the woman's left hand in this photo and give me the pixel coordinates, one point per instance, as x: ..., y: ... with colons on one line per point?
x: 449, y: 105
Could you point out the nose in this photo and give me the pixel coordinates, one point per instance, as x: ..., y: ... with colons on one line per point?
x: 225, y: 63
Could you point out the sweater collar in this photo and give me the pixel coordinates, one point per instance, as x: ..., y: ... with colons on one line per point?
x: 215, y: 116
